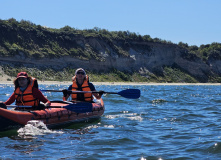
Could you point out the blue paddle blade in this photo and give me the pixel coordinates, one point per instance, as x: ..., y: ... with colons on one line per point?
x: 130, y: 93
x: 80, y: 107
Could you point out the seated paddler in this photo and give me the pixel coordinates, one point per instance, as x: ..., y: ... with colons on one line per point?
x: 26, y: 93
x: 81, y: 83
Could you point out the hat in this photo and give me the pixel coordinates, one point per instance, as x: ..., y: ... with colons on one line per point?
x: 22, y: 74
x: 80, y: 69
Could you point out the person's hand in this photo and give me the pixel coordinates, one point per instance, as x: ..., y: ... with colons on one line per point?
x: 65, y: 92
x: 47, y: 104
x: 99, y: 94
x: 2, y: 105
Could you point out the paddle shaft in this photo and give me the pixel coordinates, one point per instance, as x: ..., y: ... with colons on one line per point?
x: 13, y: 106
x: 76, y: 92
x: 128, y: 93
x: 80, y: 107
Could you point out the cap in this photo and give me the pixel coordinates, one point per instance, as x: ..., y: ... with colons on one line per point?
x: 80, y: 69
x: 22, y: 74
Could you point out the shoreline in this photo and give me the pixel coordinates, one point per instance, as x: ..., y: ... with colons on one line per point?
x: 114, y: 83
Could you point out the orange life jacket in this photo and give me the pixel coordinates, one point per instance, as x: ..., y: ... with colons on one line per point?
x: 26, y: 98
x: 85, y: 87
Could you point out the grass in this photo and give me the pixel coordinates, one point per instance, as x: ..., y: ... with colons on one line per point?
x: 170, y: 75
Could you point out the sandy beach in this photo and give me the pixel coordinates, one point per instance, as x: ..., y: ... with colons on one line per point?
x: 113, y: 83
x: 4, y: 79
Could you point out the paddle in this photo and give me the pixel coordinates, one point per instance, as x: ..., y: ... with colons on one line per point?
x: 79, y: 107
x: 128, y: 93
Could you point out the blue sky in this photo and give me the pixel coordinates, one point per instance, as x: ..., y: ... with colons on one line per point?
x: 194, y: 22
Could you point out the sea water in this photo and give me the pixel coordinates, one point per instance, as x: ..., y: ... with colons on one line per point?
x: 176, y: 122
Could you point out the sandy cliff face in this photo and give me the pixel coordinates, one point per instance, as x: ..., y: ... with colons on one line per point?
x: 214, y: 62
x: 143, y: 57
x: 151, y: 57
x: 103, y: 50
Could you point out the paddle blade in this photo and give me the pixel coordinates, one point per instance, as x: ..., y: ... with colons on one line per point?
x: 80, y: 107
x: 130, y: 93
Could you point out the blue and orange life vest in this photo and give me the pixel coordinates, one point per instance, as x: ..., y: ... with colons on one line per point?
x: 85, y: 87
x: 26, y: 98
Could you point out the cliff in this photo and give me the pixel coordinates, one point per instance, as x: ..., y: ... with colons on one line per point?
x: 35, y: 46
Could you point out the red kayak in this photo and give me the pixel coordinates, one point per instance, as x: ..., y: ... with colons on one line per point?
x: 58, y: 114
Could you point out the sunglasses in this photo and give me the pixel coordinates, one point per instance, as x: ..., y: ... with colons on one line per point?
x: 82, y: 73
x: 21, y: 78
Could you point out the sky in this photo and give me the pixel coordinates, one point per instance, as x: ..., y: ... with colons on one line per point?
x: 195, y: 22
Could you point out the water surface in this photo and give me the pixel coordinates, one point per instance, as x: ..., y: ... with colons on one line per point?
x: 166, y: 122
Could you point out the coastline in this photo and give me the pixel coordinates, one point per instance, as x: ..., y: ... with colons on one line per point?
x: 113, y: 83
x: 4, y: 80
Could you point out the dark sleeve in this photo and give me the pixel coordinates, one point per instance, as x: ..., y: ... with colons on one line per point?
x: 70, y: 87
x: 37, y: 94
x: 36, y: 84
x: 91, y: 86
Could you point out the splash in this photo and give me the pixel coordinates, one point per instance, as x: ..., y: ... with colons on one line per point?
x: 131, y: 116
x: 109, y: 126
x: 35, y: 127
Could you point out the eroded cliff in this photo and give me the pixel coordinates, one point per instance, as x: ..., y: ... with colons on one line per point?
x: 42, y: 48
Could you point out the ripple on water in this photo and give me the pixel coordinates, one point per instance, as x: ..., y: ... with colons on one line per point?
x: 166, y: 122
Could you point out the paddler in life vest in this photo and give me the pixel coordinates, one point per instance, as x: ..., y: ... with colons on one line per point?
x: 81, y: 83
x: 27, y: 93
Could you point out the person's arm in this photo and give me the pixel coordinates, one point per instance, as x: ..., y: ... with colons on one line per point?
x: 36, y: 84
x: 65, y: 93
x: 37, y: 94
x: 96, y: 95
x: 11, y: 99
